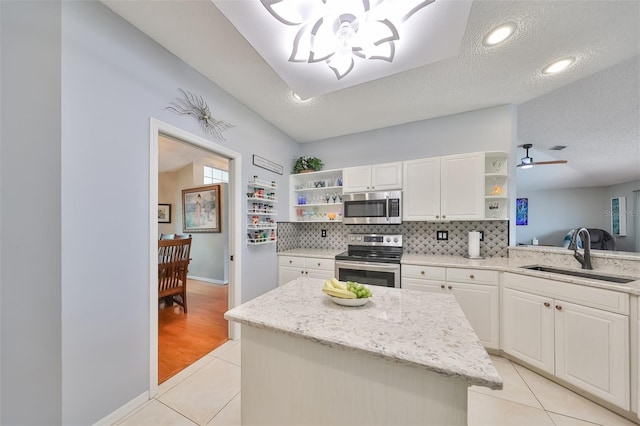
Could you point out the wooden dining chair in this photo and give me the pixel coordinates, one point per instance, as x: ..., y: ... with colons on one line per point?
x: 173, y: 265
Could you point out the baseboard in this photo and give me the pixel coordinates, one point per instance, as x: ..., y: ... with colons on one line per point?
x: 207, y: 280
x: 126, y: 409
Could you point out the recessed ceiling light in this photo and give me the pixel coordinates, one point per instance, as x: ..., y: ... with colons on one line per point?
x: 558, y: 66
x: 298, y: 98
x: 499, y: 34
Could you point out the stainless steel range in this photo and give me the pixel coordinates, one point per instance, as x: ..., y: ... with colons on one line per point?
x: 372, y: 259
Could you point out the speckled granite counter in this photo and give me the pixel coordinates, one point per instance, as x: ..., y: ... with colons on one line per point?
x: 319, y: 253
x: 417, y: 328
x: 540, y: 256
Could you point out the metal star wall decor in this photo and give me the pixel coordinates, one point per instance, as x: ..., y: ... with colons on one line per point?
x: 196, y: 107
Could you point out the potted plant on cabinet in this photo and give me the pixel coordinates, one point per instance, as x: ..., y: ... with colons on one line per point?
x: 307, y: 164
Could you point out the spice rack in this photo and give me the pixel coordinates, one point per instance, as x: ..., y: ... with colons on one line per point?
x: 261, y: 212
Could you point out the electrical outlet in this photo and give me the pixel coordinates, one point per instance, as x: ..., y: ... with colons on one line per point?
x: 481, y: 235
x: 442, y: 235
x: 324, y: 233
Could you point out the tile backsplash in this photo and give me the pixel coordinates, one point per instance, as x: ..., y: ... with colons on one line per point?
x: 418, y: 237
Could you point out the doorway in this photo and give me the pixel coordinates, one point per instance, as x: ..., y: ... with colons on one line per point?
x: 159, y: 129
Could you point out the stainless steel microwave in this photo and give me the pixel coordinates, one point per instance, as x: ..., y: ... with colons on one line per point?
x: 380, y: 207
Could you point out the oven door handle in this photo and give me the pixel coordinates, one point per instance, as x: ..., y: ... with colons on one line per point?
x: 368, y: 266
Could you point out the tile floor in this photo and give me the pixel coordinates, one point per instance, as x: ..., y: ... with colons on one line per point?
x: 208, y: 393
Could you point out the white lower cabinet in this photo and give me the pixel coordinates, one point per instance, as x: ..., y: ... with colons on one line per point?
x: 476, y: 291
x: 292, y: 267
x: 584, y: 341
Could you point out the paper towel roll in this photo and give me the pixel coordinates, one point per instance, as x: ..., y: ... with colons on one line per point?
x: 474, y: 244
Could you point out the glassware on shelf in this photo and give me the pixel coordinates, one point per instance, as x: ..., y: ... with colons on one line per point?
x: 497, y: 165
x: 494, y: 209
x: 495, y: 188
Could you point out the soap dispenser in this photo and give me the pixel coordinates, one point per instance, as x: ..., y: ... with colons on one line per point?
x: 534, y: 241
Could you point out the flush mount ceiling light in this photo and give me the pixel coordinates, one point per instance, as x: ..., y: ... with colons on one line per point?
x: 558, y: 66
x: 499, y: 34
x: 321, y: 46
x: 338, y: 31
x: 527, y: 162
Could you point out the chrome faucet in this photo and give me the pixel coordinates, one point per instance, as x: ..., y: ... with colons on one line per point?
x: 585, y: 260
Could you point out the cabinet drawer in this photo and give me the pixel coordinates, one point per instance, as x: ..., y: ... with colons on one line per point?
x: 480, y: 276
x: 599, y: 298
x: 425, y: 272
x: 291, y: 261
x: 317, y: 263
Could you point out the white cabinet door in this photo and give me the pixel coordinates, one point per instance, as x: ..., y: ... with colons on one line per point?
x: 462, y: 186
x: 481, y: 305
x: 377, y: 177
x: 592, y: 351
x: 319, y: 273
x: 528, y: 327
x: 356, y: 179
x: 421, y: 189
x: 385, y: 177
x: 287, y: 273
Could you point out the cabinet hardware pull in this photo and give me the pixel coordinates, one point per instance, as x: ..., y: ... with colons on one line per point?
x: 318, y: 263
x: 547, y: 304
x: 444, y: 215
x: 558, y: 307
x: 422, y: 272
x: 449, y: 287
x: 437, y: 216
x: 471, y: 276
x: 291, y: 261
x: 442, y: 286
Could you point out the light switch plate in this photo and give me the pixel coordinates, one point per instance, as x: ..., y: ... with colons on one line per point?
x: 442, y: 235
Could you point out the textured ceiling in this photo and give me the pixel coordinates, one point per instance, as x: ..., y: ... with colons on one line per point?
x: 600, y: 34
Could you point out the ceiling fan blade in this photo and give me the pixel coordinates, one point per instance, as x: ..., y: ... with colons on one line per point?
x: 549, y: 162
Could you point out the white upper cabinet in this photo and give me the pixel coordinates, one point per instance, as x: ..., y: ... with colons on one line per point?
x: 444, y: 188
x: 462, y: 186
x: 376, y: 177
x: 421, y: 189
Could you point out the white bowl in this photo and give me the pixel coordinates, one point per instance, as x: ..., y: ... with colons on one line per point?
x: 349, y: 302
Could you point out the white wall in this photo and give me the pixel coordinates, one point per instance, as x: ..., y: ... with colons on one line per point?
x: 30, y: 217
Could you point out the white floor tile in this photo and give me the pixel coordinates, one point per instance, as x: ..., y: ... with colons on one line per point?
x: 155, y: 413
x: 223, y: 348
x: 561, y: 420
x: 188, y: 371
x: 558, y: 399
x: 485, y: 410
x: 229, y: 415
x: 232, y: 355
x: 201, y: 396
x: 514, y: 388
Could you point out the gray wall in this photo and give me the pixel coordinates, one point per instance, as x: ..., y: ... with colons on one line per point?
x: 79, y: 321
x: 488, y: 129
x: 552, y: 213
x: 30, y: 217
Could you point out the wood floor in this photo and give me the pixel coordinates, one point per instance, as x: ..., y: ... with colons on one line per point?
x: 183, y: 339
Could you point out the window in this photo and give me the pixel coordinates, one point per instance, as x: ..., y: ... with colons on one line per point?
x: 213, y: 175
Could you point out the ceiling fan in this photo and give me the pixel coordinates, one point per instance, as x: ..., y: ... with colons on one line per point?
x: 527, y: 162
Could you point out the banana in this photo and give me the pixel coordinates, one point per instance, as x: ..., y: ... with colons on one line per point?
x: 337, y: 284
x: 343, y: 294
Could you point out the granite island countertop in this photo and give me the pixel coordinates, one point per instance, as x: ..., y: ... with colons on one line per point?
x: 427, y: 330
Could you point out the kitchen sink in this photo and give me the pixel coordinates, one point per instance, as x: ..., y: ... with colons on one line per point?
x: 590, y: 275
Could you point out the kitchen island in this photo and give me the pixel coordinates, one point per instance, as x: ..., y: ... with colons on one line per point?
x: 406, y: 357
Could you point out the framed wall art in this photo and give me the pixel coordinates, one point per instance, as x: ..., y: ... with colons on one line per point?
x: 619, y: 217
x: 164, y: 213
x: 201, y: 209
x: 522, y: 211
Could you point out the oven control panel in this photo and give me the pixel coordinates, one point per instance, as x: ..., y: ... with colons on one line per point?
x: 383, y: 240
